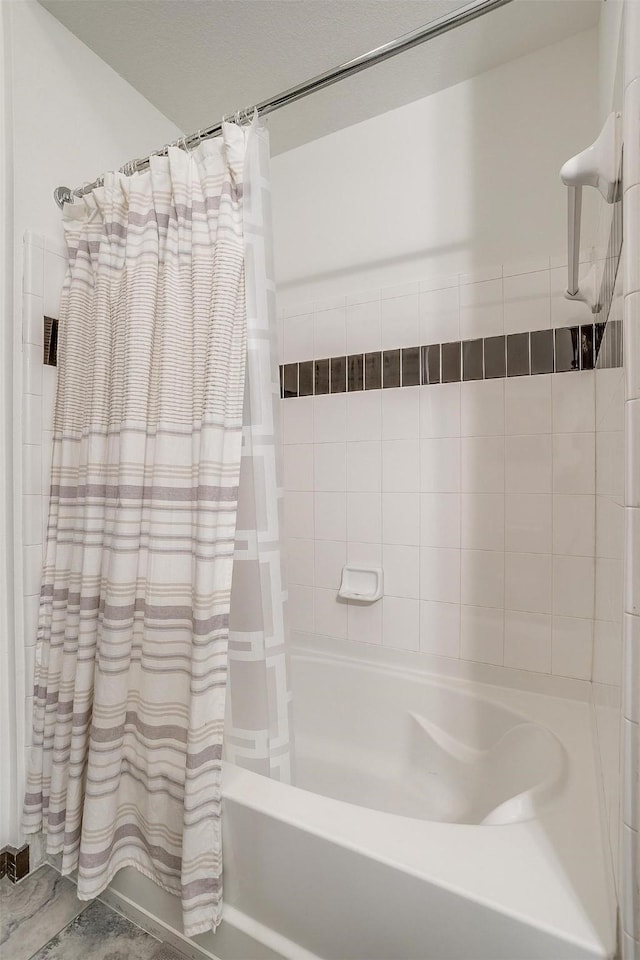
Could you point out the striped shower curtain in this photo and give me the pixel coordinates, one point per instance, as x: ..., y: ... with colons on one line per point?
x: 133, y: 635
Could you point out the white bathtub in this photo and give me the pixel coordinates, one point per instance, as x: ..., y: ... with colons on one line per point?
x: 433, y: 818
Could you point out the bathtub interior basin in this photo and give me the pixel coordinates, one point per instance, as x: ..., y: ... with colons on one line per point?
x: 430, y: 751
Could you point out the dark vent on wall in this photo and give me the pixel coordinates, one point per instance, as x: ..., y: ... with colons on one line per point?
x: 50, y: 358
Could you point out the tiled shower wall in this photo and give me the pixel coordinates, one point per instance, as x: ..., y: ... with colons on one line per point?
x: 479, y: 499
x: 44, y: 267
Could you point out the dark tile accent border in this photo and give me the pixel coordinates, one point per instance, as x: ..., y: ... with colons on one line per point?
x: 451, y: 366
x: 558, y: 350
x: 50, y: 354
x: 14, y: 862
x: 391, y: 368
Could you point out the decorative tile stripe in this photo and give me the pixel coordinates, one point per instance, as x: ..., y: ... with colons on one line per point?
x: 556, y: 350
x: 50, y: 352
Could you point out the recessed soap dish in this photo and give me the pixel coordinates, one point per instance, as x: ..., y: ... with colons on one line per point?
x: 361, y: 583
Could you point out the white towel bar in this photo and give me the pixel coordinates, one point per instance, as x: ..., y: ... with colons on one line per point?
x: 597, y: 166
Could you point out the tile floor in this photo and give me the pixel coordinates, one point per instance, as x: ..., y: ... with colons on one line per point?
x: 42, y: 919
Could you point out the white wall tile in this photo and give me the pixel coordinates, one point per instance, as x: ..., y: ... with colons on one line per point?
x: 400, y: 466
x: 482, y: 578
x: 574, y: 463
x: 528, y: 582
x: 30, y: 610
x: 527, y: 302
x: 440, y: 466
x: 329, y: 466
x: 364, y: 466
x: 33, y: 269
x: 440, y: 410
x: 330, y: 613
x: 482, y: 634
x: 300, y: 607
x: 401, y: 413
x: 439, y: 315
x: 481, y: 309
x: 330, y: 558
x: 31, y: 569
x: 330, y: 516
x: 609, y: 582
x: 28, y: 721
x: 632, y: 459
x: 298, y: 466
x: 572, y: 647
x: 400, y: 518
x: 55, y: 268
x: 364, y: 622
x: 31, y: 520
x: 574, y: 524
x: 440, y: 520
x: 363, y: 327
x: 401, y: 566
x: 609, y: 528
x: 610, y: 464
x: 298, y: 338
x: 29, y: 669
x: 482, y: 464
x: 631, y: 780
x: 483, y: 521
x: 329, y: 333
x: 364, y: 415
x: 300, y: 565
x: 297, y: 420
x: 364, y: 517
x: 32, y: 368
x: 610, y: 399
x: 631, y: 674
x: 632, y: 560
x: 527, y: 641
x: 399, y: 320
x: 440, y: 574
x: 401, y: 623
x: 31, y: 469
x: 528, y: 464
x: 33, y: 320
x: 367, y: 553
x: 573, y: 586
x: 440, y: 628
x: 482, y: 408
x: 631, y: 243
x: 528, y: 522
x: 528, y: 404
x: 632, y: 345
x: 607, y: 652
x: 32, y: 419
x: 573, y: 398
x: 329, y: 417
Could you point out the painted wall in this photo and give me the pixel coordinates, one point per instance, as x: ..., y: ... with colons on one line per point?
x: 460, y: 180
x: 72, y: 117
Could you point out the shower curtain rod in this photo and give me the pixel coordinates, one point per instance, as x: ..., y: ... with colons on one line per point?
x: 466, y: 14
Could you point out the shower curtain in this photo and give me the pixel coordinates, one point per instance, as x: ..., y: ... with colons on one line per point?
x: 133, y: 634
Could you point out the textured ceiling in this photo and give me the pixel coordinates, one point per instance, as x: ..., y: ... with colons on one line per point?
x: 196, y: 60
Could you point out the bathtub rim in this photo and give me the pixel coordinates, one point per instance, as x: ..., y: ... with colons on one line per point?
x: 353, y: 827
